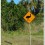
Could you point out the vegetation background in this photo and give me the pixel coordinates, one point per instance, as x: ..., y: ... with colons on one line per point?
x: 15, y: 31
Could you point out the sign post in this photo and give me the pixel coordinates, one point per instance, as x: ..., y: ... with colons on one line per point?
x: 29, y: 17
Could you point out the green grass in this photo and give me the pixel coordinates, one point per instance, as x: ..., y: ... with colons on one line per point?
x: 16, y: 38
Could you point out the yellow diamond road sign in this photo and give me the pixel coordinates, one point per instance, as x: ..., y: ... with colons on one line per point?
x: 29, y: 17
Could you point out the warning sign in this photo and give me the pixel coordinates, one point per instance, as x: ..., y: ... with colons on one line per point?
x: 29, y: 17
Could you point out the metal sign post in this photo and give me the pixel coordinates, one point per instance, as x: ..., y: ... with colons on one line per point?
x: 29, y: 26
x: 29, y: 17
x: 29, y: 23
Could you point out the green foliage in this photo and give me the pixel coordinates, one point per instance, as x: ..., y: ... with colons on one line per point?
x: 12, y: 14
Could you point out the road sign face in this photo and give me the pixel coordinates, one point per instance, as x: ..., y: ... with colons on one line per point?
x: 29, y: 17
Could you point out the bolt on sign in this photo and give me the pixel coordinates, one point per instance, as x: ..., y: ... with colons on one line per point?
x: 29, y: 17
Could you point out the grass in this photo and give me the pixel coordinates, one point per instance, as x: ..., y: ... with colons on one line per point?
x: 16, y: 38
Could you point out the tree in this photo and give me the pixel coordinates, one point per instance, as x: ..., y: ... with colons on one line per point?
x: 12, y: 18
x: 12, y: 14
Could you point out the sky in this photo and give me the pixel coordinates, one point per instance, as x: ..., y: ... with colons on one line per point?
x: 16, y: 1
